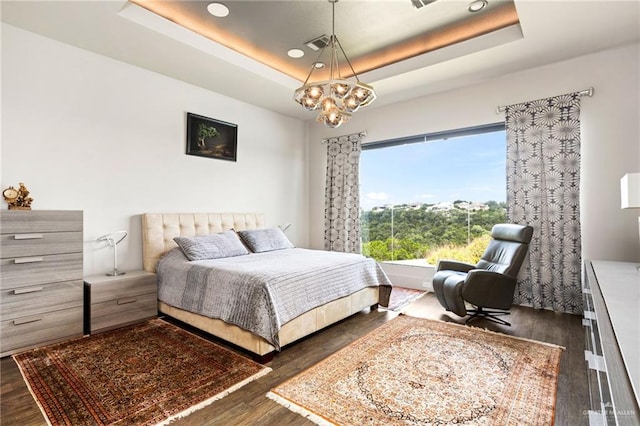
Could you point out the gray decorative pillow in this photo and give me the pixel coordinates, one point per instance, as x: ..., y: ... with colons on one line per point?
x: 213, y: 246
x: 261, y: 240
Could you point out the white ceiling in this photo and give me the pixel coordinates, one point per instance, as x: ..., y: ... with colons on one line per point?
x: 549, y: 31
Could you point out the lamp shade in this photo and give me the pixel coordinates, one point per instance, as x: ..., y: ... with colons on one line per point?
x: 630, y: 191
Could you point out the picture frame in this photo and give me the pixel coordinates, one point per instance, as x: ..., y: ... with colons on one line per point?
x: 211, y: 138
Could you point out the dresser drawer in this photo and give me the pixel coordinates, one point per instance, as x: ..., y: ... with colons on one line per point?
x: 33, y: 221
x: 128, y: 285
x: 17, y: 246
x: 39, y: 329
x: 40, y: 299
x: 116, y: 313
x: 51, y: 269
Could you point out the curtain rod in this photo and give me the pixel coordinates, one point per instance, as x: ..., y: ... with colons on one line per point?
x: 585, y: 92
x: 362, y: 134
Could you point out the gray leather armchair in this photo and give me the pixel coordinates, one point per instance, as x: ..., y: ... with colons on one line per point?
x: 489, y: 284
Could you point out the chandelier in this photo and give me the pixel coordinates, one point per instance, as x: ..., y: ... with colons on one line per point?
x: 337, y: 97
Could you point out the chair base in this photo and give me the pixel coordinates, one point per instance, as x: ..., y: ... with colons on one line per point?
x: 489, y: 315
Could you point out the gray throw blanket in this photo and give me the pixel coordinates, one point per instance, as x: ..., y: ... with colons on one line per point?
x: 261, y: 292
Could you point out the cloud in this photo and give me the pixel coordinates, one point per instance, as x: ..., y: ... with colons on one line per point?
x: 481, y: 188
x: 426, y: 196
x: 377, y: 196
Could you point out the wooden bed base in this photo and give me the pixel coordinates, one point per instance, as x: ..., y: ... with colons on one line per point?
x: 158, y: 231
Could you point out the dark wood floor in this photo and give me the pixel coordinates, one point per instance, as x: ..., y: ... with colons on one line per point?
x: 249, y: 406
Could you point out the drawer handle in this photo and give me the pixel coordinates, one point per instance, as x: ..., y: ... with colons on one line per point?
x: 21, y: 321
x: 27, y: 290
x: 28, y: 237
x: 125, y: 301
x: 28, y: 260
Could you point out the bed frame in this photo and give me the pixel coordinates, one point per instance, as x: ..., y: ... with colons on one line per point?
x: 158, y: 232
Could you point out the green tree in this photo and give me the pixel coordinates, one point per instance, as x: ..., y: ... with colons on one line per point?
x: 417, y: 232
x: 376, y: 249
x: 204, y: 132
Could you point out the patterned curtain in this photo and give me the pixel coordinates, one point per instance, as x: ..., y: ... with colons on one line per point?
x: 342, y: 194
x: 543, y: 190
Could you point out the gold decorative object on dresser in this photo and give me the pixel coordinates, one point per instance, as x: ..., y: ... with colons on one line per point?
x: 17, y: 199
x: 116, y: 301
x: 40, y: 278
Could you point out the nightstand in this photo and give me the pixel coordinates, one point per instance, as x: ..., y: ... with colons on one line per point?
x: 113, y: 302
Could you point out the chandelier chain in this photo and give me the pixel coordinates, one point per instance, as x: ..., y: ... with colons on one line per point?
x: 332, y: 42
x: 348, y: 61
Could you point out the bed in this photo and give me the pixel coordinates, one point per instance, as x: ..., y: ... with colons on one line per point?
x: 284, y: 327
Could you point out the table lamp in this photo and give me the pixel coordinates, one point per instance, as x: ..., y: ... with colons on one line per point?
x: 284, y: 227
x: 114, y: 239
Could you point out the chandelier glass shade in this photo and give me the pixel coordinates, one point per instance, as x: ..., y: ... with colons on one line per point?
x: 338, y: 97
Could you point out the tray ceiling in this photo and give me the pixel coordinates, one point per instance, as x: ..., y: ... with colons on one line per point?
x: 374, y: 34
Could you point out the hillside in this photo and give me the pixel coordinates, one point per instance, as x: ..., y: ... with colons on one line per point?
x: 420, y: 230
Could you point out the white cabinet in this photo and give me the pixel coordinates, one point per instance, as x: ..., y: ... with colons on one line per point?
x: 611, y: 297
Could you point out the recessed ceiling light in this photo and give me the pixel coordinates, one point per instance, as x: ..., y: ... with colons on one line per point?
x: 295, y: 53
x: 218, y: 10
x: 319, y: 65
x: 477, y: 5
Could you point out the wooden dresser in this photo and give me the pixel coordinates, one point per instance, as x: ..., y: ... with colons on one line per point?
x: 41, y: 284
x: 612, y: 346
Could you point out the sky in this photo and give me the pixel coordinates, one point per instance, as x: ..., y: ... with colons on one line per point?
x: 470, y: 168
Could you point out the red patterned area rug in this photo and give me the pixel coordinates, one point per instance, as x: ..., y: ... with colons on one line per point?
x: 145, y: 374
x: 401, y: 297
x: 413, y: 371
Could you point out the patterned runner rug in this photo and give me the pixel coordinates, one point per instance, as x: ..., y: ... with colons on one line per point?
x: 145, y: 374
x: 413, y: 371
x: 401, y: 297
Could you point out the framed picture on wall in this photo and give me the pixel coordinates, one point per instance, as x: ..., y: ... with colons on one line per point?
x: 211, y: 138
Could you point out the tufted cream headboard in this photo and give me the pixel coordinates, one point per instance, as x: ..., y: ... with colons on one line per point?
x: 159, y: 230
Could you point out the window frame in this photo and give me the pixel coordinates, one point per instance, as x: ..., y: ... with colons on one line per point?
x: 442, y: 135
x: 429, y: 137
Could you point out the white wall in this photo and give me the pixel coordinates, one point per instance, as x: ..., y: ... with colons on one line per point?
x: 610, y: 136
x: 86, y: 132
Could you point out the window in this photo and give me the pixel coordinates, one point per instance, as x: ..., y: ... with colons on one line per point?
x: 434, y: 196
